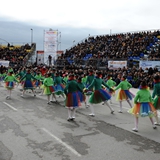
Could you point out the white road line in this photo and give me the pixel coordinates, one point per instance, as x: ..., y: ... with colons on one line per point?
x: 10, y: 106
x: 61, y: 142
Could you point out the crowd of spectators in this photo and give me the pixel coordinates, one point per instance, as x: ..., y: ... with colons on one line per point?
x: 95, y: 52
x: 15, y: 54
x: 98, y: 50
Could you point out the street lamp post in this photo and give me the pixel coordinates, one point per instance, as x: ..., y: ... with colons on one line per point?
x: 31, y: 36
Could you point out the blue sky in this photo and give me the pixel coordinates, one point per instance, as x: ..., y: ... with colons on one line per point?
x: 75, y: 19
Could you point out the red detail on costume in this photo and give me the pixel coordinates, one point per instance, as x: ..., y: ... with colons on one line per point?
x: 143, y: 87
x: 156, y: 81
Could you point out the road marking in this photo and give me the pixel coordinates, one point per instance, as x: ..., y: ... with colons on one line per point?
x: 10, y: 106
x: 61, y: 142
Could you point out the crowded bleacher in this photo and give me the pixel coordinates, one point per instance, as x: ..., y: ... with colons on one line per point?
x: 98, y: 50
x: 95, y: 52
x: 17, y: 55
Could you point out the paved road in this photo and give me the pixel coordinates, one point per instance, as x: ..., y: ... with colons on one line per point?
x: 32, y: 130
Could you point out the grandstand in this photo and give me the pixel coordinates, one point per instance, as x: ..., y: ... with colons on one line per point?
x: 17, y: 55
x: 95, y: 51
x: 98, y: 50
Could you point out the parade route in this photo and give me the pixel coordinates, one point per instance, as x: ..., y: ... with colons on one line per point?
x: 33, y: 130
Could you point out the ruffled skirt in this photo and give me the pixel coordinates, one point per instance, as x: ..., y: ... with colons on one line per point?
x: 9, y: 85
x: 59, y: 89
x: 72, y: 100
x: 99, y: 96
x: 124, y: 95
x: 48, y: 90
x: 82, y: 96
x: 42, y: 86
x: 143, y: 109
x: 28, y: 84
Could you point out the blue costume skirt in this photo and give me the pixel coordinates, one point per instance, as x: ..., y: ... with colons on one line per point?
x: 124, y: 95
x: 28, y: 84
x: 99, y: 96
x: 59, y: 89
x: 72, y: 100
x: 143, y: 109
x: 9, y: 85
x: 37, y: 83
x: 82, y: 96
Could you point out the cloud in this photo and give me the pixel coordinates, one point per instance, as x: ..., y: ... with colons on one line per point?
x: 75, y: 19
x: 84, y: 13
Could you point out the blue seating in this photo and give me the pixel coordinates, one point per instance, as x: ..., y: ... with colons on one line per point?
x: 131, y: 58
x: 141, y: 55
x: 148, y: 48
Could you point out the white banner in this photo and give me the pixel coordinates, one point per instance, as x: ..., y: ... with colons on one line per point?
x: 117, y: 64
x: 4, y: 63
x: 148, y: 64
x: 50, y: 45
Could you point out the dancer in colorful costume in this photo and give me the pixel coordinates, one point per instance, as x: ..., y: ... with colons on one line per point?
x: 28, y: 84
x: 49, y: 88
x: 89, y: 80
x: 81, y: 94
x: 99, y: 95
x: 124, y: 93
x: 10, y: 80
x: 38, y: 82
x: 143, y: 106
x: 156, y: 96
x: 111, y: 84
x: 72, y: 98
x: 59, y: 85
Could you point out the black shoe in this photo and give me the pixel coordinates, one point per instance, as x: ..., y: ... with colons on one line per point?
x: 69, y: 119
x: 73, y: 118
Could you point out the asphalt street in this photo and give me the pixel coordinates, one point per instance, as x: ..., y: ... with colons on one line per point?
x: 30, y: 129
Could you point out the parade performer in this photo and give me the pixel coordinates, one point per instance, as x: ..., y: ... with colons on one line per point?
x: 124, y: 93
x: 89, y: 80
x: 10, y: 80
x: 20, y: 74
x: 28, y: 84
x: 65, y: 77
x: 84, y: 79
x: 38, y: 83
x: 80, y: 93
x: 49, y: 88
x: 59, y: 85
x: 72, y: 99
x: 156, y: 96
x: 111, y: 84
x: 143, y: 105
x: 42, y: 85
x: 99, y: 95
